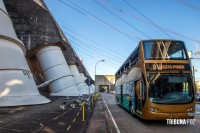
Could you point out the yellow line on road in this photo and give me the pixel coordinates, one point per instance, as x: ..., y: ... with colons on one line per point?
x: 61, y: 115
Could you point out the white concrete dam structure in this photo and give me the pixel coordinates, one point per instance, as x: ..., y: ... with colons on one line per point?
x: 83, y: 77
x: 92, y: 89
x: 78, y: 80
x: 86, y: 86
x: 17, y: 86
x: 55, y: 69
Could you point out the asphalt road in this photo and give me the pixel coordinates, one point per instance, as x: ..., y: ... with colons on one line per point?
x: 46, y: 118
x: 125, y: 123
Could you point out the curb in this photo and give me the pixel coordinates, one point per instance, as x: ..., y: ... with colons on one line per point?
x: 88, y: 119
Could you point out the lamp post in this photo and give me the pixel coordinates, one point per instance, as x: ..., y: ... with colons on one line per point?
x: 193, y: 69
x: 95, y: 74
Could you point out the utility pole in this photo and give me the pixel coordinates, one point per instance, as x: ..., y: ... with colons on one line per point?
x: 89, y: 85
x: 193, y: 70
x: 197, y: 49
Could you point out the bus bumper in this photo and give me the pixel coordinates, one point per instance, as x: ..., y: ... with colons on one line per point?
x: 149, y: 115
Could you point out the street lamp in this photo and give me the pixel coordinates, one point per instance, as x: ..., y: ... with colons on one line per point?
x: 95, y: 74
x: 193, y: 69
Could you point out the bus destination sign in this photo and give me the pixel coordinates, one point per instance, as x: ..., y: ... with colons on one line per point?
x: 179, y: 67
x: 159, y: 66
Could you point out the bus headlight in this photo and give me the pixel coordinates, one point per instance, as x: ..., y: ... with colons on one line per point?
x: 153, y: 109
x: 190, y: 109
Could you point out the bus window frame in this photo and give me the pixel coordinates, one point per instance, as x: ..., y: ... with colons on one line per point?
x: 183, y: 46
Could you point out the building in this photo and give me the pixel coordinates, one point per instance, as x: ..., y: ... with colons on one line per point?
x: 105, y: 83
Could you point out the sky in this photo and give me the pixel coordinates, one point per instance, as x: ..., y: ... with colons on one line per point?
x: 111, y: 29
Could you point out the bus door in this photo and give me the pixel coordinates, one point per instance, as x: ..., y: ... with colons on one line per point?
x: 121, y: 94
x: 138, y: 97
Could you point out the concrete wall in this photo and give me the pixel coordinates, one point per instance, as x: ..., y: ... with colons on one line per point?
x: 36, y: 28
x: 105, y: 80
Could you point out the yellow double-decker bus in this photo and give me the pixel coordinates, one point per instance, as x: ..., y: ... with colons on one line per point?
x: 156, y: 82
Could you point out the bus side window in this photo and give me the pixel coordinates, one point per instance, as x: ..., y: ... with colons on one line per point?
x: 118, y: 89
x: 124, y: 89
x: 131, y: 88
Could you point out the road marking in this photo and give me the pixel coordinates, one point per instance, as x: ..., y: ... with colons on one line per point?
x: 77, y: 114
x: 74, y: 120
x: 41, y: 126
x: 61, y: 115
x: 12, y: 130
x: 68, y: 128
x: 116, y: 127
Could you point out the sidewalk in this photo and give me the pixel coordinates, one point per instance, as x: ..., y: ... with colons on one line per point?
x: 98, y: 122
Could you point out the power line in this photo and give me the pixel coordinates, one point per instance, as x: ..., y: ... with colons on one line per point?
x: 81, y: 50
x: 78, y: 40
x: 101, y: 68
x: 147, y: 22
x: 188, y: 4
x: 91, y: 47
x: 96, y: 18
x: 191, y: 6
x: 121, y: 11
x: 147, y: 18
x: 91, y: 71
x: 98, y: 44
x: 79, y: 46
x: 85, y: 65
x: 102, y: 6
x: 112, y: 62
x: 74, y: 46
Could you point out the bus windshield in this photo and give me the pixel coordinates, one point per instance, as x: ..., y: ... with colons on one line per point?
x: 170, y: 88
x: 164, y: 50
